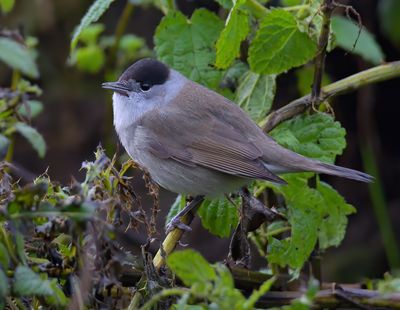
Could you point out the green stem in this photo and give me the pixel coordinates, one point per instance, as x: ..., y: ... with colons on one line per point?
x: 10, y: 150
x: 255, y: 8
x: 380, y: 207
x: 120, y: 30
x: 278, y: 231
x: 163, y: 294
x: 296, y: 7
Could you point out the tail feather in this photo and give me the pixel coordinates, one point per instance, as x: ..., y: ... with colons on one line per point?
x: 344, y: 172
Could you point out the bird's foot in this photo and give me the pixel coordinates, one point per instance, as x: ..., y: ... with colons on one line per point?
x: 177, y: 223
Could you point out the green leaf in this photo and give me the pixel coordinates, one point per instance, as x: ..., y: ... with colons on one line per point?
x: 31, y: 109
x: 18, y: 57
x: 90, y: 34
x: 279, y: 45
x: 316, y: 136
x: 92, y: 15
x: 235, y: 31
x: 6, y: 5
x: 346, y: 32
x: 389, y: 284
x: 177, y: 206
x: 389, y: 12
x: 219, y: 216
x: 313, y: 214
x: 29, y: 283
x: 224, y: 293
x: 334, y: 218
x: 130, y: 44
x: 255, y: 94
x: 4, y: 143
x: 190, y: 267
x: 90, y: 58
x: 305, y: 215
x: 4, y: 257
x: 189, y: 45
x: 227, y: 4
x: 33, y: 136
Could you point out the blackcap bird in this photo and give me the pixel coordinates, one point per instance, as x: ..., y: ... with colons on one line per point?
x: 194, y: 141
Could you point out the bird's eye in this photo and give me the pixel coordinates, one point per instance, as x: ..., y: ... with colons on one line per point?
x: 144, y: 86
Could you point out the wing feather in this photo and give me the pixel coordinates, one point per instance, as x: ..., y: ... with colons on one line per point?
x: 212, y: 137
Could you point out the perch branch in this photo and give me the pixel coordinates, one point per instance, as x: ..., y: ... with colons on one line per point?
x: 374, y: 75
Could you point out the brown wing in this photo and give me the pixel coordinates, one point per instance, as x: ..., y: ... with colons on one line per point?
x: 201, y: 139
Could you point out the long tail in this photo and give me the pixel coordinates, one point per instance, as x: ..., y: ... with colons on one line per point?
x: 343, y: 172
x: 278, y: 159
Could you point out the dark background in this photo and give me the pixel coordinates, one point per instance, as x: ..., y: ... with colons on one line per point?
x: 76, y: 118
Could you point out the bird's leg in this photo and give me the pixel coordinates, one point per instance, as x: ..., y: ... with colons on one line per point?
x: 176, y: 220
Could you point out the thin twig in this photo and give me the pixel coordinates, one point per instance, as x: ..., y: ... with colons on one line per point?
x: 319, y: 62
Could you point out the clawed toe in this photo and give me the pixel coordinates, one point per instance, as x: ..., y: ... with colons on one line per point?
x: 177, y: 223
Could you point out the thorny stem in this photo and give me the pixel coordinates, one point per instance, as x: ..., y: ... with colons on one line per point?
x: 374, y: 75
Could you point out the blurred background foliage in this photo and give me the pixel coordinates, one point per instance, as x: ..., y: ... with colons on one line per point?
x: 74, y: 114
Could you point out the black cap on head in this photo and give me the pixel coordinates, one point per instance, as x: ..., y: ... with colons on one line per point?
x: 148, y: 71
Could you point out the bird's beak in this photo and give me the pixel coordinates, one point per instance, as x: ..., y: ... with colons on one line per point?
x: 118, y: 87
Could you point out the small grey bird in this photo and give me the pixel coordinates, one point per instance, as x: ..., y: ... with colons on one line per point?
x: 194, y: 141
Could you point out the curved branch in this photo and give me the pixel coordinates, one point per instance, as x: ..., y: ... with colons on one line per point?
x: 374, y: 75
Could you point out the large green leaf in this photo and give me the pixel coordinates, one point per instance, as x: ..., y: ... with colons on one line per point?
x: 334, y: 217
x: 255, y: 94
x: 316, y: 136
x: 191, y: 267
x: 346, y: 32
x: 305, y: 207
x: 235, y: 31
x: 219, y: 216
x: 92, y: 15
x: 314, y: 214
x: 189, y: 45
x: 18, y: 57
x: 33, y: 136
x: 279, y: 44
